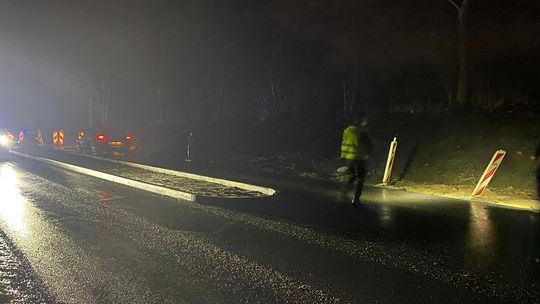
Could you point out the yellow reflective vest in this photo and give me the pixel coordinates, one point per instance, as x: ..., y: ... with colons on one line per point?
x: 349, y: 145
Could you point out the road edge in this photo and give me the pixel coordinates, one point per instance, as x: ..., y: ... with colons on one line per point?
x: 249, y: 187
x: 115, y: 179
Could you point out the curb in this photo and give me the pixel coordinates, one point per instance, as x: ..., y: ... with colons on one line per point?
x: 115, y: 179
x: 224, y: 182
x: 387, y: 186
x: 516, y: 204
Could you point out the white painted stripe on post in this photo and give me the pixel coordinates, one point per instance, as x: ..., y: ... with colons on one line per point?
x: 115, y: 179
x: 488, y: 173
x: 224, y: 182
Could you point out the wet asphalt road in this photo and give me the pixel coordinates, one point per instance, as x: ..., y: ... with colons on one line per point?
x: 77, y: 239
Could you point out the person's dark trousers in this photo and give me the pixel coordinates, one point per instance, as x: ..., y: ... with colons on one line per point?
x: 357, y: 171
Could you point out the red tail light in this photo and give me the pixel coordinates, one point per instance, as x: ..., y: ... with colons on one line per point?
x: 128, y: 137
x: 101, y: 137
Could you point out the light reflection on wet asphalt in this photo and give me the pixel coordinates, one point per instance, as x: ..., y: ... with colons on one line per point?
x: 18, y: 282
x: 12, y: 208
x: 92, y: 241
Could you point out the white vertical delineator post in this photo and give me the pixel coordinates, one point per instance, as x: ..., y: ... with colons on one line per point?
x: 489, y: 173
x: 188, y: 151
x: 390, y: 161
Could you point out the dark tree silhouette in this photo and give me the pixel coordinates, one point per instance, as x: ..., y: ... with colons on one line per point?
x: 462, y: 82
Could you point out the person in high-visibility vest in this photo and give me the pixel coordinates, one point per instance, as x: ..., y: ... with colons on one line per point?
x: 356, y: 148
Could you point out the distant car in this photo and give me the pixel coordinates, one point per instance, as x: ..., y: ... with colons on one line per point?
x: 108, y: 142
x: 6, y: 142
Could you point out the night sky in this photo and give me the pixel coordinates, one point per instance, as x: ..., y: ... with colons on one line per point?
x: 51, y: 51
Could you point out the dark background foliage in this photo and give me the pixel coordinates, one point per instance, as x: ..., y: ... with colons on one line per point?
x: 231, y: 63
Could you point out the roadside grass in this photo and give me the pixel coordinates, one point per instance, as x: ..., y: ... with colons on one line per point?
x: 444, y: 152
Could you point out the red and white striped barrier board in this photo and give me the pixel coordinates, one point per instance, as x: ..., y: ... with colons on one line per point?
x: 61, y: 137
x: 390, y: 161
x: 21, y: 136
x: 55, y: 137
x: 488, y: 174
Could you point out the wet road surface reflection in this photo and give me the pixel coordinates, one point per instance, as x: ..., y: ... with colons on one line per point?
x: 12, y: 203
x: 99, y: 242
x: 481, y: 237
x: 19, y: 283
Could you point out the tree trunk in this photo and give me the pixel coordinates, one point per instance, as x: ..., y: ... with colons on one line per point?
x: 447, y: 78
x: 90, y: 116
x: 273, y: 90
x: 221, y: 97
x: 105, y: 103
x: 352, y: 104
x: 90, y: 105
x: 266, y: 111
x: 344, y: 98
x: 160, y: 105
x: 462, y: 83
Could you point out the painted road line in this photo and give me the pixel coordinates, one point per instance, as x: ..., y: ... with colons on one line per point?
x: 224, y: 182
x: 115, y: 179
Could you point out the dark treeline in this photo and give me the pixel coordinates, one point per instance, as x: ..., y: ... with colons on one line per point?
x: 306, y: 60
x: 210, y: 61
